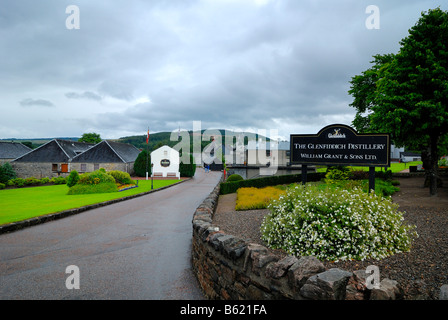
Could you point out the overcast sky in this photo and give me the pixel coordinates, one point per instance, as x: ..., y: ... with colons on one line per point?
x: 280, y: 65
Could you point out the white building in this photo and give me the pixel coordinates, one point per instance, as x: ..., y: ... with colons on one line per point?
x: 165, y: 163
x: 395, y: 152
x: 273, y: 152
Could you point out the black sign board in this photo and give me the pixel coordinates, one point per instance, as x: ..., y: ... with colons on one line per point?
x: 165, y: 163
x: 339, y: 144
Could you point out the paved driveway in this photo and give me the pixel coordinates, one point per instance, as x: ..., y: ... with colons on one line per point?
x: 135, y: 249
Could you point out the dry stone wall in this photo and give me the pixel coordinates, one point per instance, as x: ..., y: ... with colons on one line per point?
x: 230, y: 268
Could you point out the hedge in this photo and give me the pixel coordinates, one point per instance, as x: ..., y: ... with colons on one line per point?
x: 187, y: 169
x: 232, y: 187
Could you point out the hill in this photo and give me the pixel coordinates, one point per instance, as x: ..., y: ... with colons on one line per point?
x: 36, y: 142
x: 156, y: 140
x: 163, y: 138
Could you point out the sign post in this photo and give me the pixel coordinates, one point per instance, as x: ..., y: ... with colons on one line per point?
x: 304, y: 172
x: 339, y: 144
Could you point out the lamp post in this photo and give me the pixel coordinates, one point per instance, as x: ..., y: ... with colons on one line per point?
x: 152, y: 165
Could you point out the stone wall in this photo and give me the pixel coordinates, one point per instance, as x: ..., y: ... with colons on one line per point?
x: 230, y: 268
x: 36, y: 169
x: 45, y: 169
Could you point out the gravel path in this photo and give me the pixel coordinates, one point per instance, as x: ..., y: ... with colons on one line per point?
x: 420, y: 272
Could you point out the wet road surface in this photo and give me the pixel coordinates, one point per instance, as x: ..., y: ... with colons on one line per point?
x: 135, y: 249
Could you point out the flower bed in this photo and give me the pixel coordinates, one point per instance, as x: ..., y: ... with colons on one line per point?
x: 254, y: 198
x: 124, y: 187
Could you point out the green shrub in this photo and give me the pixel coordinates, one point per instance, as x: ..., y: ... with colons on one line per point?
x: 31, y: 181
x: 336, y: 224
x: 94, y: 182
x: 73, y: 178
x: 358, y: 175
x: 140, y: 164
x: 58, y: 180
x: 386, y: 188
x: 187, y: 169
x: 385, y: 175
x: 44, y: 180
x: 105, y: 187
x: 2, y: 186
x: 335, y: 174
x: 232, y: 187
x: 17, y: 182
x: 234, y: 177
x: 95, y: 177
x: 121, y: 177
x: 7, y: 173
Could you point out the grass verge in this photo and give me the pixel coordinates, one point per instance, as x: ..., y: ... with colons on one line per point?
x: 22, y: 204
x: 394, y: 167
x: 259, y: 198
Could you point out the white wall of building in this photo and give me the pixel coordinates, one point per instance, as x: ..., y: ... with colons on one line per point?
x: 165, y: 160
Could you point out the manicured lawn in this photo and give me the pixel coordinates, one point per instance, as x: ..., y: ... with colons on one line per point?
x: 22, y: 204
x: 394, y: 167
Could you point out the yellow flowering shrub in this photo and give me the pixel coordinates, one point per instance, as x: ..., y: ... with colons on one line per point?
x: 254, y: 198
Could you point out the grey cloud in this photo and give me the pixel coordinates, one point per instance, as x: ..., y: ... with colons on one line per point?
x: 226, y: 63
x: 36, y: 102
x: 118, y: 90
x: 85, y: 95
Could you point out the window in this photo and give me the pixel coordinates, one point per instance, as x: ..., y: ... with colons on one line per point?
x: 83, y: 167
x: 96, y: 166
x: 268, y: 153
x: 54, y: 167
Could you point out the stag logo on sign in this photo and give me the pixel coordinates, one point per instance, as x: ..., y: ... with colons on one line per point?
x: 336, y: 134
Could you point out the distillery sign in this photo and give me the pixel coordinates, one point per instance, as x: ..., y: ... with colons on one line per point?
x: 341, y: 145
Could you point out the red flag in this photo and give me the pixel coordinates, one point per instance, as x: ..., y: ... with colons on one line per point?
x: 147, y: 138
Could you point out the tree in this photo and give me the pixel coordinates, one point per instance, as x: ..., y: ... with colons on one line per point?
x: 73, y: 178
x: 90, y: 138
x: 363, y: 89
x: 410, y: 99
x: 29, y: 144
x: 7, y: 173
x: 187, y: 169
x: 140, y: 164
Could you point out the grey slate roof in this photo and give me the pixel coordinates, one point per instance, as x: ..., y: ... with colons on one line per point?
x: 56, y: 150
x: 109, y: 152
x: 12, y: 150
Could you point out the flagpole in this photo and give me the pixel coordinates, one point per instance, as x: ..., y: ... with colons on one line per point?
x: 147, y: 153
